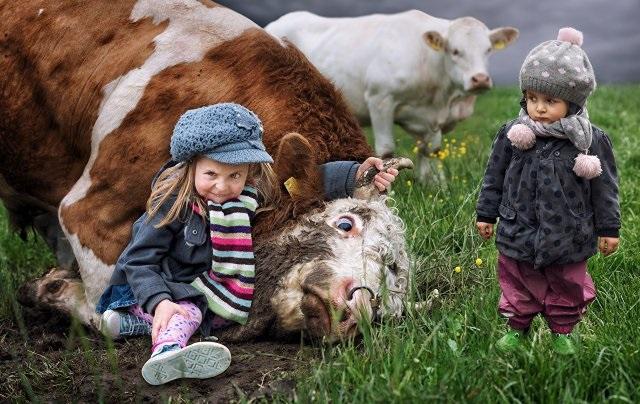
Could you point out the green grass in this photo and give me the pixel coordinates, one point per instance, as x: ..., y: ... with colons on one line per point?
x: 447, y: 354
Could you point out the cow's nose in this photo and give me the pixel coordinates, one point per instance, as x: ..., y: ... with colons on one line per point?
x: 480, y: 81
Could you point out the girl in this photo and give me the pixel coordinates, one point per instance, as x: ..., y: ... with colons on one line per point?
x: 172, y: 277
x: 557, y: 204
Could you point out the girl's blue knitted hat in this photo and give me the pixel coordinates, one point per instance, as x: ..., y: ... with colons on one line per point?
x: 227, y: 132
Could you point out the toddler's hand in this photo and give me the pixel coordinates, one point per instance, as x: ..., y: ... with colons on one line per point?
x: 608, y: 245
x: 163, y: 313
x: 485, y: 229
x: 383, y: 179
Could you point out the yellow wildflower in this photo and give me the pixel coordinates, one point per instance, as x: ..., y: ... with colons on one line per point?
x: 457, y: 269
x: 478, y: 262
x: 409, y: 183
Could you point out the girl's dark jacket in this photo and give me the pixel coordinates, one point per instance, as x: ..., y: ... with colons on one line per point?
x: 549, y: 215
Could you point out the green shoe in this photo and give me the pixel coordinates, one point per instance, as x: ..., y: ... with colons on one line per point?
x: 563, y: 344
x: 510, y: 341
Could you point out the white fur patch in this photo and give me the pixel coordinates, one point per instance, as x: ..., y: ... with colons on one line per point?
x: 94, y: 273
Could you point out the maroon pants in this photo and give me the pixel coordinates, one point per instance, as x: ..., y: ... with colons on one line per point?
x: 560, y: 292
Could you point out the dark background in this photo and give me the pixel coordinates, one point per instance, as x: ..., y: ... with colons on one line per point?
x: 611, y: 28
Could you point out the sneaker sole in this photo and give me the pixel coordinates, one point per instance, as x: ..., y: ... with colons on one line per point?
x: 201, y: 360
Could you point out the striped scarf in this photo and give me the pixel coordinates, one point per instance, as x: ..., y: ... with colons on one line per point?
x: 228, y: 285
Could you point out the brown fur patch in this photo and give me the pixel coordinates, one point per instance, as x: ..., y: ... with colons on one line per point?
x: 54, y: 68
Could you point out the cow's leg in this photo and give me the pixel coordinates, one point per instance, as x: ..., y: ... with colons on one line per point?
x: 381, y: 109
x: 94, y: 272
x: 49, y: 228
x: 427, y: 166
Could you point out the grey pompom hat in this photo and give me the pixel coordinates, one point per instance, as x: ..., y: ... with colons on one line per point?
x: 227, y: 132
x: 559, y: 68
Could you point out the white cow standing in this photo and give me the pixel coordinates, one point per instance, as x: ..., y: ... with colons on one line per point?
x: 413, y: 69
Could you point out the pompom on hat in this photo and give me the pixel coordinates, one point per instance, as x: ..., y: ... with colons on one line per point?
x: 226, y: 132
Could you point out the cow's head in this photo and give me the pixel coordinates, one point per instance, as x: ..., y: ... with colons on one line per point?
x: 466, y: 47
x: 339, y: 263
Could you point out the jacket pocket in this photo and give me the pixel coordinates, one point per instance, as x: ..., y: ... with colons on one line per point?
x: 507, y: 225
x: 585, y: 228
x: 506, y: 212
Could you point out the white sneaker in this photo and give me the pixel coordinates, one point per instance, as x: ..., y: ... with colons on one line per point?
x: 110, y: 324
x: 117, y: 324
x: 197, y: 361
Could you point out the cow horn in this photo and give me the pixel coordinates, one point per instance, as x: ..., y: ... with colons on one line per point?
x: 365, y: 189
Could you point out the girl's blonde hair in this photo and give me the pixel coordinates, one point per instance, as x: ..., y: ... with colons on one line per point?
x: 179, y: 181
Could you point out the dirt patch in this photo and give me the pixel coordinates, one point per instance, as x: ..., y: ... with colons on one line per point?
x: 51, y: 359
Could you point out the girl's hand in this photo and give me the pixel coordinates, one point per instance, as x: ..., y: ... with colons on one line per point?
x: 163, y: 313
x: 485, y: 229
x: 608, y: 245
x: 383, y: 179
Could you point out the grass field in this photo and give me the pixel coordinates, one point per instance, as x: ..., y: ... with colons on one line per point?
x: 447, y: 354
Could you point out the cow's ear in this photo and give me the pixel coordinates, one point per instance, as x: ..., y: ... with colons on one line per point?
x: 297, y: 167
x: 435, y: 40
x: 502, y: 37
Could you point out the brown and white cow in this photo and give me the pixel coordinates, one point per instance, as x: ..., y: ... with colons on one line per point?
x: 90, y: 93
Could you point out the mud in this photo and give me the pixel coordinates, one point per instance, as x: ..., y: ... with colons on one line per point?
x: 44, y: 357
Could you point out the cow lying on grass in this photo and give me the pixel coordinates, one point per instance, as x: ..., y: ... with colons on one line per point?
x: 91, y: 92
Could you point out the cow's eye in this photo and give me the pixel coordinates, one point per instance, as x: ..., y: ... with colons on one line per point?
x: 345, y: 223
x: 455, y: 52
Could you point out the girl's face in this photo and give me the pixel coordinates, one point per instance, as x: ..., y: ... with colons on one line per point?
x: 219, y: 182
x: 545, y: 109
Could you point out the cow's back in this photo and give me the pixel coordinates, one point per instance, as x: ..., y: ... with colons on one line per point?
x: 363, y: 54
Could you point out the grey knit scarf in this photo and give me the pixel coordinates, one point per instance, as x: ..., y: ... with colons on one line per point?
x: 576, y: 128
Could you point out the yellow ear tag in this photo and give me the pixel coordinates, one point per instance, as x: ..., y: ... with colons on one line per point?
x: 292, y: 186
x: 437, y: 46
x: 499, y: 45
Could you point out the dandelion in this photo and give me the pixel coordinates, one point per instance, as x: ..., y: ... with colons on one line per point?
x: 478, y: 262
x: 430, y: 195
x: 415, y: 150
x: 409, y: 183
x: 453, y: 140
x: 457, y: 269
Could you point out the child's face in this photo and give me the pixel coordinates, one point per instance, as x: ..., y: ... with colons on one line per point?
x: 545, y: 109
x: 219, y: 182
